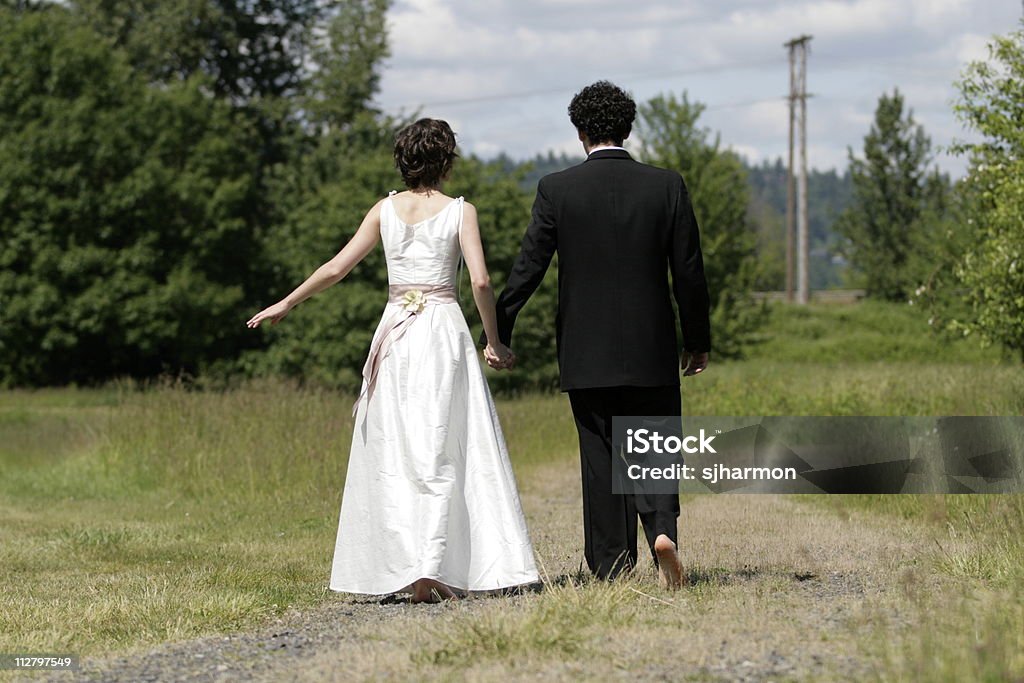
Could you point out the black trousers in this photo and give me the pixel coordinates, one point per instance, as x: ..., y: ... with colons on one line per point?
x: 610, y: 520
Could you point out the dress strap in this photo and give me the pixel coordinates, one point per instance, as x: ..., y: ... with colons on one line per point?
x: 458, y: 276
x: 388, y: 204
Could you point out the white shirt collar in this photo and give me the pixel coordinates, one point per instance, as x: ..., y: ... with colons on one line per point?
x: 601, y: 147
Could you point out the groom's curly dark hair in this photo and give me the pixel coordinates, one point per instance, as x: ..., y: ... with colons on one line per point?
x: 604, y: 112
x: 425, y: 152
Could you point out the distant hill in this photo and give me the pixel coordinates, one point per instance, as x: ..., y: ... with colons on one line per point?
x: 828, y: 193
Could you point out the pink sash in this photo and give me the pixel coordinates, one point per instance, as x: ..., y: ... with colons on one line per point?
x: 413, y: 299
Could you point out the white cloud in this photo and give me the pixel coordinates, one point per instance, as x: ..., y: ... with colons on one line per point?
x: 750, y: 153
x: 727, y: 54
x: 971, y: 47
x: 938, y: 15
x: 767, y: 118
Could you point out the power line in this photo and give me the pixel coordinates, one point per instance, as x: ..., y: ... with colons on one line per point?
x: 554, y: 90
x: 832, y: 61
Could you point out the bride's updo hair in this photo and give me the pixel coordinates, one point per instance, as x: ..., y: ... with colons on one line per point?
x: 425, y: 152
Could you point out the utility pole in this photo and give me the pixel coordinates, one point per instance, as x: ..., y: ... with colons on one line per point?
x: 797, y: 93
x: 790, y: 185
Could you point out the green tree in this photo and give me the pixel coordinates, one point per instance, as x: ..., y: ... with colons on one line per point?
x: 287, y: 65
x: 348, y: 58
x: 827, y: 196
x: 769, y: 222
x: 717, y: 183
x: 129, y: 246
x: 990, y: 267
x: 339, y: 164
x: 894, y: 200
x: 320, y: 198
x: 251, y: 49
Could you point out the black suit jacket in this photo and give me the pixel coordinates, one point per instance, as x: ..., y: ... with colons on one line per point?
x: 619, y: 227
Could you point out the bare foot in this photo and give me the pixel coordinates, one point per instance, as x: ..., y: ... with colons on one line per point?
x: 670, y: 570
x: 429, y: 590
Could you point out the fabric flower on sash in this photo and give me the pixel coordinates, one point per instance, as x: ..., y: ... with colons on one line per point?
x: 413, y: 301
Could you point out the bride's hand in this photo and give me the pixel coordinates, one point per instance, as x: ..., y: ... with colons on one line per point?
x: 499, y: 356
x: 274, y: 314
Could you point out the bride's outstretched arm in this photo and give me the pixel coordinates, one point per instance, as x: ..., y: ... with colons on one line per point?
x: 331, y: 272
x: 483, y: 293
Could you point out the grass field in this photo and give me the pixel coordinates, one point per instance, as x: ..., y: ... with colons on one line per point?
x: 132, y: 517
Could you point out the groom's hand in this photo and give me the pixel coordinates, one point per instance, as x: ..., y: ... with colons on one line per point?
x: 499, y: 357
x: 693, y: 363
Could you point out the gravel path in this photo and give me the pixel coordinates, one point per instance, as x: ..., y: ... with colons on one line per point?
x: 281, y: 650
x: 273, y: 653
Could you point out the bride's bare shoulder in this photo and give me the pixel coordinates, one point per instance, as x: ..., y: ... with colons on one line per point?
x: 431, y: 197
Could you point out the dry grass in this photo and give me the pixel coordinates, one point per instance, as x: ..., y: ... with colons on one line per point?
x: 778, y: 591
x: 131, y: 519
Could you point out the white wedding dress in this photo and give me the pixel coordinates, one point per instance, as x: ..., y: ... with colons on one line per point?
x: 430, y: 491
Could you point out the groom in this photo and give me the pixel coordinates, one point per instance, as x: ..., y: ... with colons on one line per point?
x: 619, y: 227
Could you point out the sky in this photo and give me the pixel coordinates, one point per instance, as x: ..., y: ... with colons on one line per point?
x: 502, y: 72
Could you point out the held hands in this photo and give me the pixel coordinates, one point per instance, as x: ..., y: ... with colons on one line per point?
x: 274, y: 314
x: 499, y: 356
x: 693, y: 363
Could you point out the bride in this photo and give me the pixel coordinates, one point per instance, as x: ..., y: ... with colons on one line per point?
x: 430, y: 504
